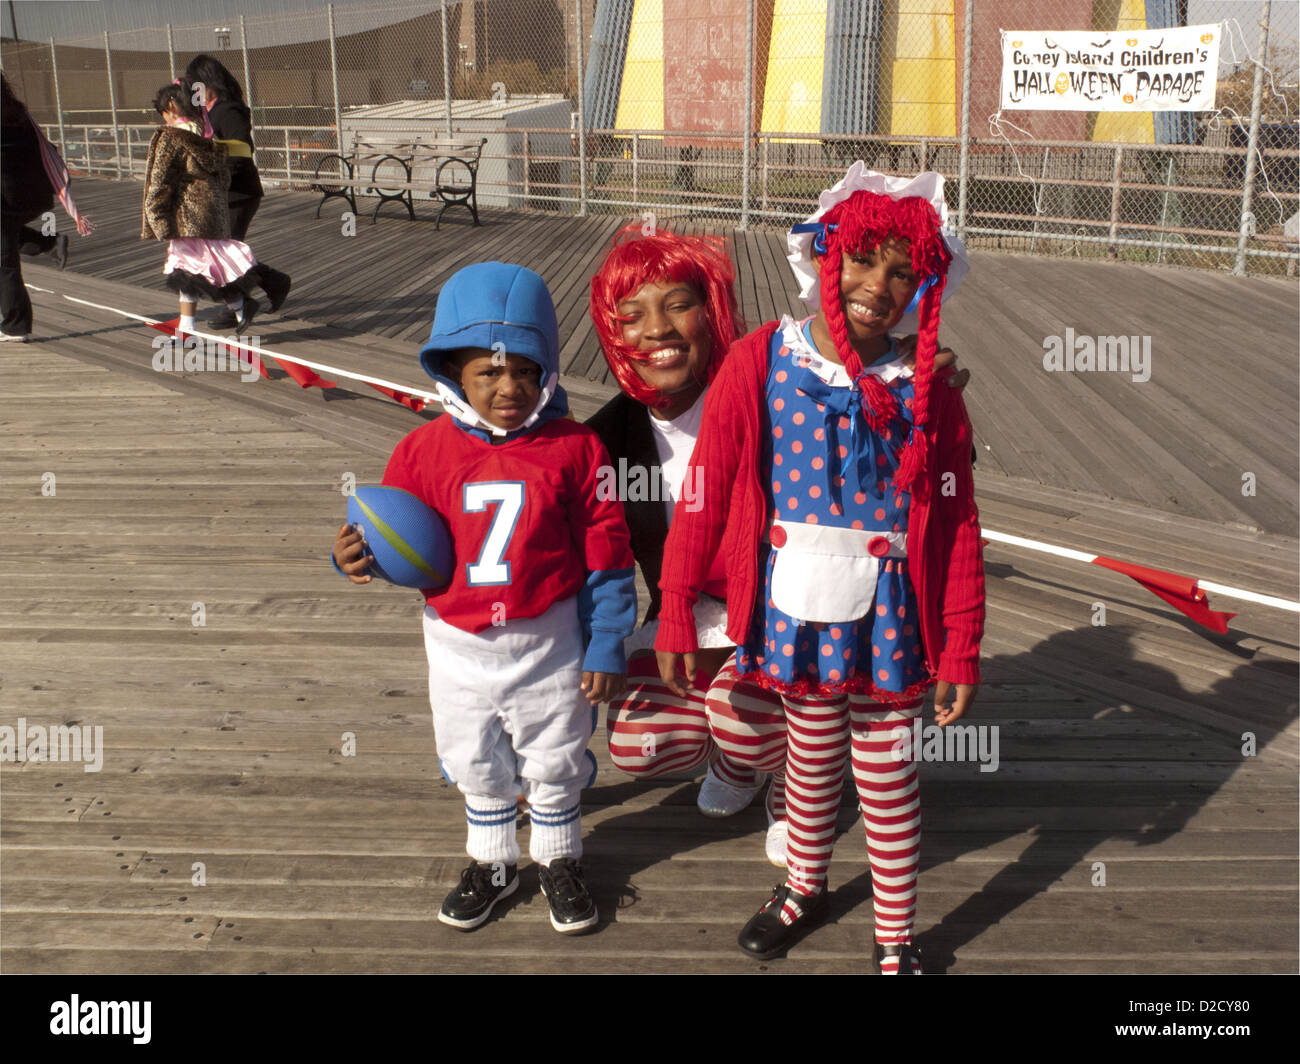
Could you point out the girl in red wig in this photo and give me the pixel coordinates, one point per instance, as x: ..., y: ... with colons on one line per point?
x: 664, y: 309
x: 836, y: 482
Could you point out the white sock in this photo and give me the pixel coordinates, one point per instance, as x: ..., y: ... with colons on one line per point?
x: 556, y: 833
x: 187, y: 323
x: 491, y: 822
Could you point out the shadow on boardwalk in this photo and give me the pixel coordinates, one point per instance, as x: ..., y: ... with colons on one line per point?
x: 1114, y: 810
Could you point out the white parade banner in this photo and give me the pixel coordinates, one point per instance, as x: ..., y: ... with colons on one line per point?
x: 1172, y: 69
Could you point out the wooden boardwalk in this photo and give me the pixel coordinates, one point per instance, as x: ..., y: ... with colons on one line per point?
x: 224, y: 743
x: 1221, y: 400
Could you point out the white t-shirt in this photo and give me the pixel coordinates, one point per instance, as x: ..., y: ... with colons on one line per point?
x: 674, y: 442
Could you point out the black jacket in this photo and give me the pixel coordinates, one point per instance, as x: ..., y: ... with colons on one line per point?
x: 623, y: 426
x: 25, y: 190
x: 232, y: 121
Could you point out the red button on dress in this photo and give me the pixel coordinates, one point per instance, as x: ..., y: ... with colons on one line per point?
x: 878, y: 545
x: 777, y: 536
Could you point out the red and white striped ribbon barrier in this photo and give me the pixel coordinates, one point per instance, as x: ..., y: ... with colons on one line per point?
x: 1186, y: 594
x: 303, y: 371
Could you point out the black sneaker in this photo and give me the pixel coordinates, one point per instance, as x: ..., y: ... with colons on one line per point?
x: 572, y: 907
x: 766, y: 935
x: 481, y: 886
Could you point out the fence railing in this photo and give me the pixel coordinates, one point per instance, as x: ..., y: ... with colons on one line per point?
x: 679, y: 111
x: 1078, y: 198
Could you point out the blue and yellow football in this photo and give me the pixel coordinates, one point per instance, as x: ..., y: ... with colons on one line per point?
x: 409, y: 541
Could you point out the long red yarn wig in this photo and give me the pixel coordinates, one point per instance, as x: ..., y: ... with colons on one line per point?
x: 638, y: 258
x: 860, y: 223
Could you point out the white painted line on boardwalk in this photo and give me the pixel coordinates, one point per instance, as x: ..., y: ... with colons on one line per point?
x: 1249, y: 596
x: 997, y: 537
x: 1080, y: 556
x: 333, y: 371
x: 1033, y: 544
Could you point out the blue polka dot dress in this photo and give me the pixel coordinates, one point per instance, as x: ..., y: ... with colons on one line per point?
x: 829, y: 468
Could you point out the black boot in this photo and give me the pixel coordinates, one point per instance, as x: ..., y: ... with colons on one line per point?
x: 275, y: 284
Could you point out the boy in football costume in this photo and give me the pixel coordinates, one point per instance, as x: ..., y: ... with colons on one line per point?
x: 527, y: 637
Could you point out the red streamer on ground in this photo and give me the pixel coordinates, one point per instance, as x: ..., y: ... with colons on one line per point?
x: 168, y: 327
x: 1180, y: 592
x: 306, y: 377
x: 405, y: 398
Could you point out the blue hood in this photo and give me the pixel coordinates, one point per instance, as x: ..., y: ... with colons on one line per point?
x: 493, y: 303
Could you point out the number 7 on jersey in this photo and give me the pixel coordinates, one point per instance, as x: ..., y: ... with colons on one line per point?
x: 491, y: 567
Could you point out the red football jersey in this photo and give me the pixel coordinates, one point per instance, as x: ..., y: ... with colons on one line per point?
x: 525, y: 521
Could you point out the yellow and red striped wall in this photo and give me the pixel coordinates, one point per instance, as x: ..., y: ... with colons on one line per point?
x: 886, y: 67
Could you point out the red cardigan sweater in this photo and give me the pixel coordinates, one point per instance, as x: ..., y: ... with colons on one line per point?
x: 945, y: 558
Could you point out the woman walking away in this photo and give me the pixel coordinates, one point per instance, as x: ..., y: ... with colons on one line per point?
x: 33, y: 173
x: 185, y: 204
x: 230, y: 123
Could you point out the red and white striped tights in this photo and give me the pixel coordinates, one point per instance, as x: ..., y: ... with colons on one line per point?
x: 653, y: 732
x: 824, y: 733
x: 804, y: 742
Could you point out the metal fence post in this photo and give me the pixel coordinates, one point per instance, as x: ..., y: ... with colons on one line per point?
x: 582, y: 123
x: 171, y: 52
x: 963, y: 175
x: 58, y: 100
x: 1252, y: 147
x: 745, y: 150
x: 334, y: 77
x: 112, y: 105
x: 248, y: 74
x: 446, y: 65
x: 1164, y: 210
x: 1114, y: 199
x: 528, y: 165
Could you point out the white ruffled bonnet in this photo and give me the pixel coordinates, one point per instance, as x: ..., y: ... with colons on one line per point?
x: 927, y: 185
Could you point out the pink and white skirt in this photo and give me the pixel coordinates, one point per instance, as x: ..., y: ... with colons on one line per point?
x: 221, y: 262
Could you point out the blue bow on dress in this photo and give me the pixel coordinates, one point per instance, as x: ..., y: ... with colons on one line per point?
x: 863, y: 468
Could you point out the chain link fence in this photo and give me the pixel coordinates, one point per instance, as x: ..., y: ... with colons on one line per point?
x: 733, y: 112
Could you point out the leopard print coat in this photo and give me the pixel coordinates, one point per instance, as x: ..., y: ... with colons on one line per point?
x: 185, y: 186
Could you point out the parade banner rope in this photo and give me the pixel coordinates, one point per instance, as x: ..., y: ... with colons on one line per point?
x: 1185, y: 594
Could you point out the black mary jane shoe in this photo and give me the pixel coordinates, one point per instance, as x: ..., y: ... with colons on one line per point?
x: 247, y: 311
x: 909, y: 958
x: 766, y: 935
